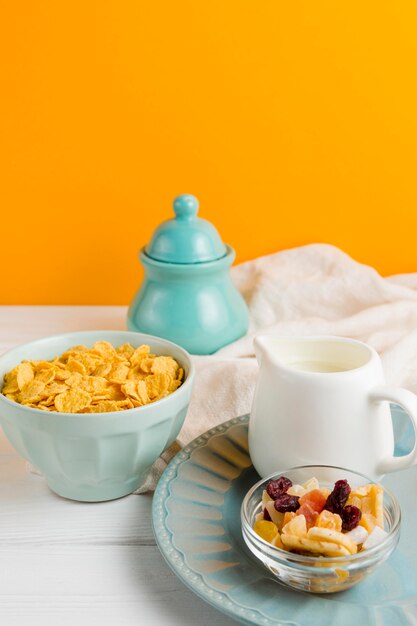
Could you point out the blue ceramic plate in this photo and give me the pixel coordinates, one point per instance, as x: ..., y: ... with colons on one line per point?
x: 196, y: 517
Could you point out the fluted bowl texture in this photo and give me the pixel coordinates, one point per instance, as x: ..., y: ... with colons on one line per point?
x: 95, y: 456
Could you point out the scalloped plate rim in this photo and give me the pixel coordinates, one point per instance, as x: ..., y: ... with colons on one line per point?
x: 232, y: 609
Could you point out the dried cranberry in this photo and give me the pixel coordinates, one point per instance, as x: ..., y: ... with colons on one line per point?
x: 351, y: 517
x: 267, y: 516
x: 338, y: 498
x: 286, y: 503
x: 277, y: 487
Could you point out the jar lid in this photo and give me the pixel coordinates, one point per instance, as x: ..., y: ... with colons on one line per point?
x: 186, y: 238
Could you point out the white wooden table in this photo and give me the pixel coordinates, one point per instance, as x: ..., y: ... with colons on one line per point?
x: 68, y: 563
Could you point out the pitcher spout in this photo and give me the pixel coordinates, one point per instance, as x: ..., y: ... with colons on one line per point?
x: 277, y: 350
x: 262, y: 346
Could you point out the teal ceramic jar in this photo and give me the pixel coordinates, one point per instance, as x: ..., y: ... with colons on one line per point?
x: 187, y: 295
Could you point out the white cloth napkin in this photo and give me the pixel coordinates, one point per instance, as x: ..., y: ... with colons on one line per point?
x: 315, y: 289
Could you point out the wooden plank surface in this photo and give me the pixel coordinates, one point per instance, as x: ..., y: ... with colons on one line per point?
x: 66, y: 563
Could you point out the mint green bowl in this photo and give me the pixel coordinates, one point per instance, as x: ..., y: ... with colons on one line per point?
x: 95, y: 456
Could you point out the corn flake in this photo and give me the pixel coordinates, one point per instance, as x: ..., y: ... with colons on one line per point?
x: 32, y: 392
x: 24, y: 374
x: 96, y: 380
x: 72, y: 401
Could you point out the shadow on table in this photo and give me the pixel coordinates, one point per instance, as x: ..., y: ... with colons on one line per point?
x: 167, y: 592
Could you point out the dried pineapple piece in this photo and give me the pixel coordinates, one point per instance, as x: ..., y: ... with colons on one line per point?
x: 296, y: 490
x: 288, y: 517
x: 306, y: 544
x: 277, y: 542
x: 332, y: 536
x: 265, y: 498
x: 311, y: 484
x: 354, y: 501
x: 368, y: 521
x: 370, y: 500
x: 296, y: 526
x: 329, y: 520
x: 276, y: 516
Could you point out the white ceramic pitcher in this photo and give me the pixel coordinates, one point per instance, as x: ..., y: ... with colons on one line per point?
x: 323, y: 400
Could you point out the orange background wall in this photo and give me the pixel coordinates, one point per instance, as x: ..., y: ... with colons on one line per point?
x: 293, y: 122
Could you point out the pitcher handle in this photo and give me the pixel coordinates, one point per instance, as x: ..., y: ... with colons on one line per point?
x: 408, y: 401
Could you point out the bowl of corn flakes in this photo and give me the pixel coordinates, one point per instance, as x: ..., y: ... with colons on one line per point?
x: 93, y: 410
x: 320, y: 529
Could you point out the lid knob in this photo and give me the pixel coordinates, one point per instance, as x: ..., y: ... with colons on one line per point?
x: 186, y: 238
x: 185, y: 206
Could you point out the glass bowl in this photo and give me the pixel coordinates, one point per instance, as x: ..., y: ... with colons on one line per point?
x: 319, y: 574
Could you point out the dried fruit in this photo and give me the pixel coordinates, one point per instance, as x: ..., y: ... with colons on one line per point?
x: 315, y: 499
x: 315, y: 546
x: 351, y: 517
x: 297, y: 526
x: 296, y: 490
x: 368, y: 521
x: 358, y: 535
x: 338, y: 497
x: 369, y: 499
x: 278, y: 543
x: 277, y: 487
x: 304, y: 526
x: 287, y: 517
x: 332, y: 536
x: 265, y: 498
x: 309, y: 513
x: 266, y: 530
x: 377, y: 536
x: 277, y: 518
x: 311, y: 484
x: 329, y: 520
x: 286, y: 503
